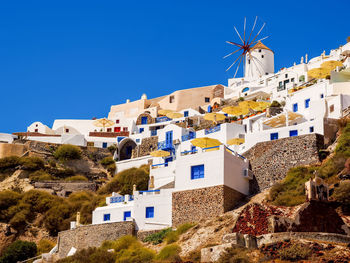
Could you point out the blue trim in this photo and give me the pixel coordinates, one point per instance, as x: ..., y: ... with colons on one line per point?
x: 119, y: 138
x: 106, y: 217
x: 293, y: 133
x: 311, y: 129
x: 149, y: 191
x: 127, y: 214
x: 104, y: 145
x: 144, y: 120
x: 245, y: 89
x: 150, y: 212
x: 211, y: 147
x: 116, y: 199
x: 141, y: 130
x: 213, y: 129
x: 197, y: 171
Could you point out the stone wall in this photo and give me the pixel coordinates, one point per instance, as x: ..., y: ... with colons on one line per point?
x: 65, y: 188
x: 150, y: 120
x: 147, y: 145
x: 331, y: 128
x: 203, y: 203
x: 271, y: 160
x: 92, y: 235
x: 9, y: 149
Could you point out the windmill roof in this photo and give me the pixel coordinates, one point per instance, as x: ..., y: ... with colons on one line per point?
x: 260, y: 45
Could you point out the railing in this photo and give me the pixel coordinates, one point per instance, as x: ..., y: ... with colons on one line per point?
x: 235, y: 153
x: 159, y: 164
x: 162, y: 119
x: 209, y: 148
x: 131, y: 198
x: 157, y: 191
x: 189, y: 136
x: 165, y: 145
x: 117, y: 199
x: 190, y: 152
x: 213, y: 129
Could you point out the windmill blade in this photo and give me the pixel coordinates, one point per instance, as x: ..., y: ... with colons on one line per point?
x: 259, y: 32
x: 231, y: 53
x: 252, y: 29
x: 244, y: 29
x: 233, y: 43
x: 238, y: 34
x: 238, y: 67
x: 261, y: 39
x: 234, y: 62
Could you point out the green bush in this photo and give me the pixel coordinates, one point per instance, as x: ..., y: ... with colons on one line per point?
x: 8, y: 199
x: 171, y: 237
x: 235, y: 254
x: 240, y: 99
x: 32, y: 163
x: 124, y: 181
x: 291, y: 191
x: 181, y: 229
x: 107, y: 161
x: 45, y: 246
x: 8, y: 163
x: 61, y: 173
x: 90, y: 255
x: 41, y: 175
x: 302, y: 78
x: 112, y: 148
x: 76, y: 178
x: 67, y: 152
x: 157, y: 237
x: 19, y: 251
x: 342, y: 193
x: 170, y: 253
x: 295, y: 252
x: 124, y: 242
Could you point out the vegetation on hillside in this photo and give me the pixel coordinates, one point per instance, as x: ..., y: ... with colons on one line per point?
x: 18, y: 251
x: 67, y: 152
x: 291, y: 190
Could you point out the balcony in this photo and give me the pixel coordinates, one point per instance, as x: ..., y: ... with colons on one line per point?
x: 189, y: 136
x: 117, y: 199
x: 162, y: 119
x: 213, y: 129
x: 109, y: 134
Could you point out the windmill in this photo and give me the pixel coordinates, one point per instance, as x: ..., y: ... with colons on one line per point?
x: 245, y: 47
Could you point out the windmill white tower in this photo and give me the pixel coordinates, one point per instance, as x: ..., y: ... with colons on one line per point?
x: 258, y: 59
x: 259, y: 62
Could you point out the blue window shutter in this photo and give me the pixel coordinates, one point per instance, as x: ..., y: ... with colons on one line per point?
x: 104, y: 145
x: 141, y: 130
x: 209, y: 108
x: 312, y: 129
x: 127, y: 214
x: 150, y: 212
x: 322, y: 96
x: 197, y: 171
x: 274, y: 136
x: 144, y: 120
x: 307, y: 103
x: 293, y: 133
x: 106, y: 217
x: 185, y: 113
x: 295, y: 107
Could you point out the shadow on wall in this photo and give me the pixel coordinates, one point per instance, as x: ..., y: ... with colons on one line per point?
x: 125, y: 149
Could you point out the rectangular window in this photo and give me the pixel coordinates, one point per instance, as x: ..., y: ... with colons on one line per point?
x: 127, y: 215
x: 116, y: 129
x: 186, y: 113
x: 206, y: 99
x: 292, y: 79
x: 293, y: 133
x: 104, y: 145
x: 171, y: 99
x: 153, y: 132
x: 286, y: 76
x: 125, y: 129
x: 36, y: 130
x: 67, y: 130
x: 150, y: 212
x: 311, y: 129
x: 307, y: 103
x: 295, y: 107
x: 141, y: 130
x: 274, y: 136
x: 106, y: 217
x: 322, y: 96
x: 197, y: 171
x: 138, y: 140
x: 169, y: 138
x: 109, y: 129
x: 331, y: 108
x: 116, y: 121
x: 144, y: 120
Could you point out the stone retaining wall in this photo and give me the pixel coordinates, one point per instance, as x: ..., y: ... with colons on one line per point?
x: 147, y: 145
x: 271, y: 160
x: 65, y: 188
x: 203, y: 203
x: 92, y: 236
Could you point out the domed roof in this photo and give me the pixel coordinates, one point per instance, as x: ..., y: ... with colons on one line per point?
x: 260, y: 45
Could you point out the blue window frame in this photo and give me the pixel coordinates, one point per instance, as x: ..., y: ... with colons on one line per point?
x: 106, y: 217
x: 321, y: 96
x: 153, y: 132
x: 127, y: 214
x: 167, y: 160
x: 209, y: 108
x: 307, y: 103
x: 197, y: 171
x: 150, y: 212
x: 193, y: 148
x: 169, y: 138
x: 144, y: 120
x: 141, y: 130
x: 295, y: 107
x: 104, y: 145
x: 293, y: 133
x: 137, y: 140
x: 312, y: 129
x: 274, y: 136
x: 186, y: 113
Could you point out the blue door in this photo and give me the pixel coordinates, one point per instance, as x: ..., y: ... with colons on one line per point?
x: 186, y: 113
x: 127, y: 214
x: 144, y: 120
x: 307, y: 103
x: 150, y: 212
x: 209, y: 108
x: 293, y: 133
x: 274, y: 136
x: 295, y: 107
x: 167, y: 160
x: 169, y: 138
x: 104, y: 145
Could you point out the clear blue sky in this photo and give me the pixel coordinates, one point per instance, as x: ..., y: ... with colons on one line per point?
x: 73, y: 59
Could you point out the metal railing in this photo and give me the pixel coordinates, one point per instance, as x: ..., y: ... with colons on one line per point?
x: 162, y: 119
x: 189, y: 152
x: 189, y: 136
x: 208, y: 148
x: 117, y: 199
x: 213, y: 129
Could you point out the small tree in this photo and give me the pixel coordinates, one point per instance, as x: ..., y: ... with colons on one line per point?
x: 19, y: 251
x: 67, y: 152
